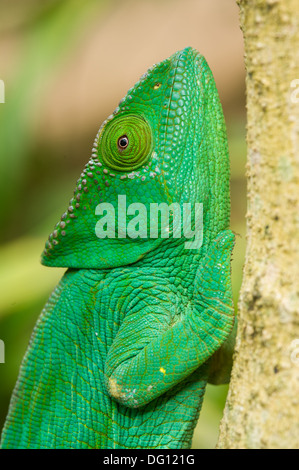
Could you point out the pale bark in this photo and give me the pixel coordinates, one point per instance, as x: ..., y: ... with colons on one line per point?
x: 262, y: 409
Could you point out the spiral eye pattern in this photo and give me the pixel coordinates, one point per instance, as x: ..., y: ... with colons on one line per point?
x: 126, y: 142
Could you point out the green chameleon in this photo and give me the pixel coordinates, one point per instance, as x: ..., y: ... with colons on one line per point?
x: 123, y: 350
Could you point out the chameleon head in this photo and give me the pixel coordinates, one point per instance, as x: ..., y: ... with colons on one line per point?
x: 164, y: 143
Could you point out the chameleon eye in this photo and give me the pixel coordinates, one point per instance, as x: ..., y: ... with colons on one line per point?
x: 126, y: 142
x: 157, y: 85
x: 123, y: 142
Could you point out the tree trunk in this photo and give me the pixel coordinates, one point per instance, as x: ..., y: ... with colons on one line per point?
x: 262, y: 409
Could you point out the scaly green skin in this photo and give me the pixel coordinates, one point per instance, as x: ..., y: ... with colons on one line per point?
x: 120, y: 356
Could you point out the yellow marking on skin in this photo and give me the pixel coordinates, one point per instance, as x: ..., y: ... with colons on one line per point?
x: 157, y: 85
x: 114, y: 388
x: 162, y: 370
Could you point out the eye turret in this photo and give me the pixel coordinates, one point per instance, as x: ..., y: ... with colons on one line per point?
x: 126, y: 142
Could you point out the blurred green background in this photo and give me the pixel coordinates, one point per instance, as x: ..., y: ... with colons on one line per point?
x: 66, y: 65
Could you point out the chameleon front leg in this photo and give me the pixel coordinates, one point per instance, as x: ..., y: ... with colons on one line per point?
x: 221, y: 363
x: 148, y: 357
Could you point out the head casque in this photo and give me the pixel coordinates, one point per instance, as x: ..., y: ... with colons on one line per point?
x: 166, y: 142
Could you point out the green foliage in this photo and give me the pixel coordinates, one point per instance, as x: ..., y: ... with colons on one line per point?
x: 46, y: 44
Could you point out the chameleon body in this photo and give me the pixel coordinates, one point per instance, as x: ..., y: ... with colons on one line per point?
x: 123, y: 350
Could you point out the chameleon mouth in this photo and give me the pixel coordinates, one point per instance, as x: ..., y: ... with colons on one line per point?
x: 90, y: 174
x: 91, y: 189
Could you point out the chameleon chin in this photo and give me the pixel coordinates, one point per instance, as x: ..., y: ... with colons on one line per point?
x: 123, y: 350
